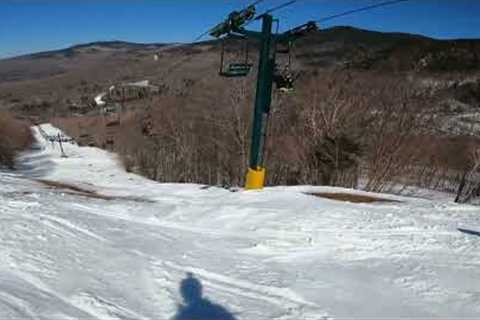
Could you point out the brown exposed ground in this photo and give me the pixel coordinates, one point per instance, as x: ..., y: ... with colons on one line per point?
x: 350, y: 197
x: 76, y: 190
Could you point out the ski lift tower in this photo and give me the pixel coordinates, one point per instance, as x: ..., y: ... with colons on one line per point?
x: 234, y: 25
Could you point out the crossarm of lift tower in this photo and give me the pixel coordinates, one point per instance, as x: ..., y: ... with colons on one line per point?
x: 236, y: 20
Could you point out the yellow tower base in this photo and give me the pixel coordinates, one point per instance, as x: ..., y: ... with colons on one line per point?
x: 255, y: 179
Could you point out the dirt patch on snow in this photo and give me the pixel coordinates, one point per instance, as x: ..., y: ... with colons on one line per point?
x: 350, y: 197
x: 79, y: 191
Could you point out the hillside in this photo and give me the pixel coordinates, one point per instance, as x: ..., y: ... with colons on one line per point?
x: 70, y: 73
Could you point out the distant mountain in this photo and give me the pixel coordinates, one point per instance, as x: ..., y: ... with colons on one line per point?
x: 95, y: 47
x: 43, y: 65
x: 362, y: 49
x: 90, y: 47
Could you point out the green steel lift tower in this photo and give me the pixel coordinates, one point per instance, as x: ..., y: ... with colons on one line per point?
x: 234, y: 24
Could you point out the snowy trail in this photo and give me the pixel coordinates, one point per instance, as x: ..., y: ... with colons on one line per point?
x: 278, y: 254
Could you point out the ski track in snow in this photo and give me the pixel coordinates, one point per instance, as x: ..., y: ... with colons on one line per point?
x: 277, y: 254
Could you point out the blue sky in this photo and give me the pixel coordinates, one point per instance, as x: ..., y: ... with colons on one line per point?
x: 28, y: 26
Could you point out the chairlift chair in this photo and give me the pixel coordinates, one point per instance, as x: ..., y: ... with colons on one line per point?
x: 284, y: 79
x: 284, y: 82
x: 238, y: 68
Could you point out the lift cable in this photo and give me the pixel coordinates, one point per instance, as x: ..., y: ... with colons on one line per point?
x: 175, y: 65
x: 309, y: 24
x: 254, y: 3
x: 373, y: 6
x: 258, y: 17
x: 327, y: 18
x: 281, y: 6
x: 201, y: 36
x: 312, y: 23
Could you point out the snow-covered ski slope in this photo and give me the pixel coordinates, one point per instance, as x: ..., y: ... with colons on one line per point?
x: 276, y: 254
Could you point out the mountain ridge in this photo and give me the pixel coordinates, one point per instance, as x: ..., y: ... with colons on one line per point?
x: 119, y: 44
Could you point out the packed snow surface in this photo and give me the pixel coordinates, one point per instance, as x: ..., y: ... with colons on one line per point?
x: 145, y: 250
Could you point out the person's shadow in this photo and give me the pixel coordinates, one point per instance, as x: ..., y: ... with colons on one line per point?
x: 195, y: 307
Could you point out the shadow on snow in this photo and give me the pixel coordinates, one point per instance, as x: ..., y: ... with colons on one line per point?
x: 195, y: 307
